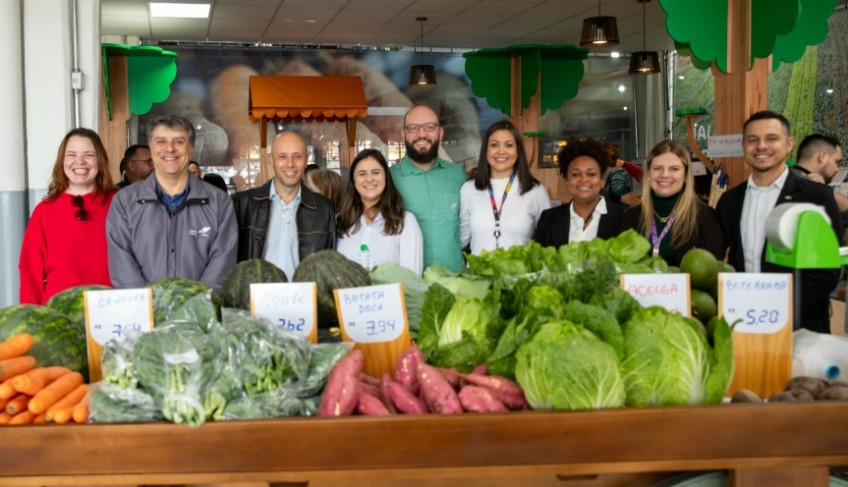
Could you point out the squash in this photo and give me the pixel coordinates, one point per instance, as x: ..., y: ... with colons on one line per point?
x: 330, y: 270
x: 236, y: 290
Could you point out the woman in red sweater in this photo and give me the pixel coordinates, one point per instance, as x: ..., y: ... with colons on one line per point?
x: 65, y: 240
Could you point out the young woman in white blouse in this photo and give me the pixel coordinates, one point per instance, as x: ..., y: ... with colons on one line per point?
x: 502, y: 204
x: 373, y: 227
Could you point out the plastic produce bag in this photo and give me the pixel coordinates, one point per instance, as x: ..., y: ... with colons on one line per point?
x: 111, y: 403
x: 175, y: 363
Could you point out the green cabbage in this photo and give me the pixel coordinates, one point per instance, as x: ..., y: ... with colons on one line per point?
x: 669, y: 362
x: 565, y: 366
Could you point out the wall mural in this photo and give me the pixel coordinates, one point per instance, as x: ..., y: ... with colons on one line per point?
x: 211, y: 89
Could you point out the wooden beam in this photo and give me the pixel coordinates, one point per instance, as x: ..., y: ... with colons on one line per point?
x: 741, y: 91
x: 113, y: 131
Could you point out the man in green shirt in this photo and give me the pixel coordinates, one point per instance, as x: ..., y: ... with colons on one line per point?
x: 430, y: 187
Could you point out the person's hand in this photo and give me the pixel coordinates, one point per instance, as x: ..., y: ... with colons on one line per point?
x: 816, y: 178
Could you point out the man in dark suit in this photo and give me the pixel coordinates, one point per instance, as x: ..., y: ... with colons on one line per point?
x: 742, y: 212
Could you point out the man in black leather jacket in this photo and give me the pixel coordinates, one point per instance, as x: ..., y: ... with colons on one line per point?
x: 283, y: 221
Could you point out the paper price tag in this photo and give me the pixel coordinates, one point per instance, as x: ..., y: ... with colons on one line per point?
x: 762, y: 301
x: 671, y: 291
x: 372, y: 314
x: 375, y: 318
x: 114, y: 313
x: 291, y: 305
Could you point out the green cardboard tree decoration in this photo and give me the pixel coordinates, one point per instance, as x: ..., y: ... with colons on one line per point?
x: 559, y: 66
x: 779, y: 28
x: 150, y: 72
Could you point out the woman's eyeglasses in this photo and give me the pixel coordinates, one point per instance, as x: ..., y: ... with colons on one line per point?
x: 80, y: 214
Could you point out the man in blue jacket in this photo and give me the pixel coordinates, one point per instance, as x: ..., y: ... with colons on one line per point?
x: 171, y: 225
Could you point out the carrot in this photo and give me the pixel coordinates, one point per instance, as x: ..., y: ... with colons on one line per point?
x: 81, y: 411
x: 16, y: 346
x: 23, y: 417
x: 14, y: 366
x: 40, y: 419
x: 69, y: 401
x: 3, y: 402
x: 5, y: 417
x: 17, y: 404
x: 7, y: 390
x: 54, y: 391
x: 62, y: 416
x: 35, y: 380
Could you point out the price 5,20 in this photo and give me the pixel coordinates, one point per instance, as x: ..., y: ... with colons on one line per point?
x: 761, y: 316
x: 292, y: 325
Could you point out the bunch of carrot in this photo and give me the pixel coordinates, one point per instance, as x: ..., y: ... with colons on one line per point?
x: 31, y: 394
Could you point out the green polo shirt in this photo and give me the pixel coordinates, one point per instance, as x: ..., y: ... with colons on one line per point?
x: 433, y: 197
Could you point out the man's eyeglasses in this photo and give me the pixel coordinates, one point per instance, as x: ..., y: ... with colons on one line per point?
x: 80, y: 214
x: 415, y: 127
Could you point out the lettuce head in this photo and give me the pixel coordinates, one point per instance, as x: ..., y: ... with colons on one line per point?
x: 565, y: 366
x: 668, y: 360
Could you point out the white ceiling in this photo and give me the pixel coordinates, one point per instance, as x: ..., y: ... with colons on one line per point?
x: 451, y: 24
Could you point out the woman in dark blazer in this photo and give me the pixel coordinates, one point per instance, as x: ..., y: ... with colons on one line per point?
x: 671, y: 217
x: 582, y: 163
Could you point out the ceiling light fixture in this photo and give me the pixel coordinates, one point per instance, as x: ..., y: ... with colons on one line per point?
x: 180, y: 10
x: 422, y: 74
x: 644, y: 61
x: 599, y: 31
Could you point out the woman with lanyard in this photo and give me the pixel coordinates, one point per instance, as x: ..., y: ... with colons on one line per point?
x: 501, y: 205
x: 671, y: 216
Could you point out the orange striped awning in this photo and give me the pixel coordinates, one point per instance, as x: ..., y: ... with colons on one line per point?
x: 307, y: 98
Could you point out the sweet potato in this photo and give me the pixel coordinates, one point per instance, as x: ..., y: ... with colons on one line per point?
x: 404, y: 401
x: 341, y: 394
x: 367, y: 388
x: 478, y: 399
x: 363, y: 377
x: 438, y: 393
x: 384, y: 391
x: 452, y: 376
x: 407, y: 366
x: 481, y: 369
x: 507, y: 391
x: 369, y: 405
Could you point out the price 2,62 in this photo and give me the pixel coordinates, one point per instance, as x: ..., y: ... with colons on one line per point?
x: 761, y: 316
x: 292, y: 325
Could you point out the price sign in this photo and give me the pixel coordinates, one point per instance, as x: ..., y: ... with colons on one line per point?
x: 291, y: 305
x: 671, y: 291
x: 762, y: 301
x: 113, y: 314
x: 375, y: 318
x: 760, y: 306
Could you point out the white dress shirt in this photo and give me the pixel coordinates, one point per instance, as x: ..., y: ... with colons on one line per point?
x: 759, y: 202
x: 519, y: 215
x: 405, y: 249
x: 576, y: 232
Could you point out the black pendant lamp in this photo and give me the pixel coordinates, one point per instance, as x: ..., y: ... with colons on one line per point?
x: 422, y: 74
x: 644, y: 61
x: 599, y: 31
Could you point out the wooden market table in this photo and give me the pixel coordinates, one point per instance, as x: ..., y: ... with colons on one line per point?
x: 760, y: 444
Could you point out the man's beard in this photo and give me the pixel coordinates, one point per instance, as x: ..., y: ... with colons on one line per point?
x: 425, y: 157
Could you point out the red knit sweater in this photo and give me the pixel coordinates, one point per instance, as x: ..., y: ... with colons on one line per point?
x: 60, y: 251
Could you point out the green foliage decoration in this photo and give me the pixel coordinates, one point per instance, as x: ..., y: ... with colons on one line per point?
x: 779, y: 28
x: 560, y: 68
x: 150, y: 72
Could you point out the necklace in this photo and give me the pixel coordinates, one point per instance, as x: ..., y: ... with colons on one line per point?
x: 660, y: 218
